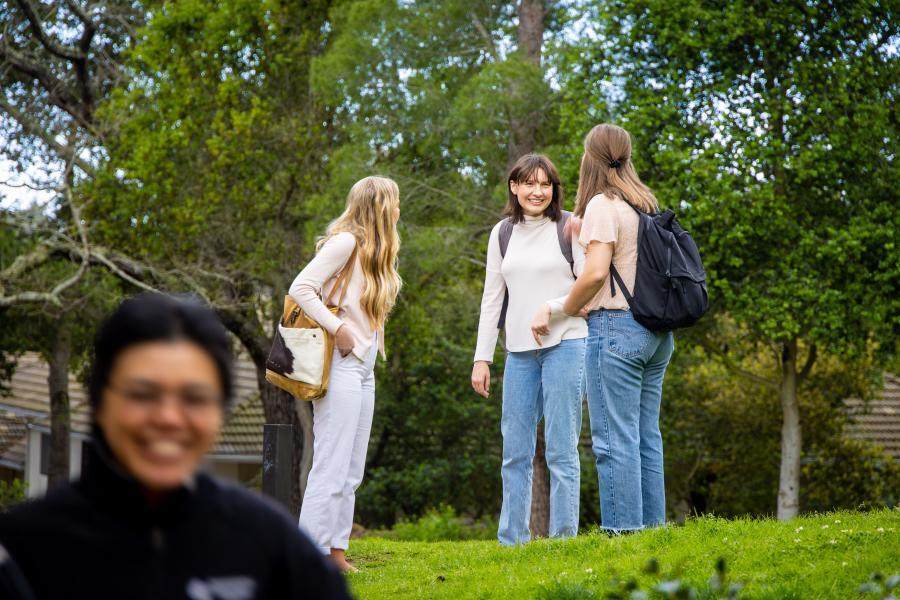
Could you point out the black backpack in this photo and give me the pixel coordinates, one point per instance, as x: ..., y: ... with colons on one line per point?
x: 565, y: 246
x: 670, y: 284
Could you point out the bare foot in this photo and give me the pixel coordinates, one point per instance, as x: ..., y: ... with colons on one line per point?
x: 339, y: 559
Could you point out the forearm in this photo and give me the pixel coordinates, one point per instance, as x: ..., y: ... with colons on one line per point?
x: 594, y: 276
x: 582, y: 292
x: 308, y: 285
x: 306, y: 295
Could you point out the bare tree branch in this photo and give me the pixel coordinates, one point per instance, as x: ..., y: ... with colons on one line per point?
x: 57, y: 93
x: 488, y: 40
x: 31, y: 127
x: 82, y: 16
x: 24, y: 263
x: 55, y: 48
x: 37, y: 257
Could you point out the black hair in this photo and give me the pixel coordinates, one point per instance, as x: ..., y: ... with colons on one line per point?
x: 525, y: 167
x: 151, y: 317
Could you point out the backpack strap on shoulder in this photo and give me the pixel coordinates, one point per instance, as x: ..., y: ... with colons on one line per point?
x: 505, y: 233
x: 565, y: 245
x: 506, y: 229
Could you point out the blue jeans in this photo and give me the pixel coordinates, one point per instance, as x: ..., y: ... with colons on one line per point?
x: 548, y: 383
x: 625, y: 365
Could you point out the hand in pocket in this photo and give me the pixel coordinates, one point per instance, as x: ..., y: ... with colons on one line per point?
x: 343, y: 341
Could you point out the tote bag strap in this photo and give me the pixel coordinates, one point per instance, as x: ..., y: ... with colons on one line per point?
x: 343, y: 280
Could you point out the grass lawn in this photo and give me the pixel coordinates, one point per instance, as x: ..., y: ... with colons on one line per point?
x: 817, y: 556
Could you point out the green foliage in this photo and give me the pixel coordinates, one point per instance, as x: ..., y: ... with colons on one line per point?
x: 770, y: 125
x: 11, y: 493
x: 214, y: 148
x: 721, y: 432
x: 443, y: 524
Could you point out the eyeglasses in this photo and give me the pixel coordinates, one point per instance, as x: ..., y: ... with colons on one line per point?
x: 190, y: 399
x: 544, y: 185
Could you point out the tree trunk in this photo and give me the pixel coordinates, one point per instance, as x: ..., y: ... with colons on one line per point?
x: 279, y: 408
x: 791, y: 435
x: 540, y: 490
x: 278, y: 405
x: 530, y: 37
x: 58, y: 382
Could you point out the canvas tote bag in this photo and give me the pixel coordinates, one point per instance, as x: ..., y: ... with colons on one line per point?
x: 300, y: 359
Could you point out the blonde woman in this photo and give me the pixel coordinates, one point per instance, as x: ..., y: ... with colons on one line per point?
x: 625, y: 361
x: 365, y: 233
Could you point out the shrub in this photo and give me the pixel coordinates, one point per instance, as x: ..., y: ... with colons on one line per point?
x: 11, y: 493
x: 443, y: 524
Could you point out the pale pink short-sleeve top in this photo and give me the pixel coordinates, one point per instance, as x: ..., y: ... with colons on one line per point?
x: 612, y: 220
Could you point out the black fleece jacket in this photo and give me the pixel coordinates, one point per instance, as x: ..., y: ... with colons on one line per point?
x: 99, y: 538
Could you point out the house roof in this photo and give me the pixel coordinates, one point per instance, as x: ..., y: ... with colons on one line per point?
x: 879, y: 420
x: 28, y: 405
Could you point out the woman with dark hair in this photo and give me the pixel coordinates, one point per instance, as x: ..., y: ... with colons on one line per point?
x: 531, y: 266
x: 143, y: 521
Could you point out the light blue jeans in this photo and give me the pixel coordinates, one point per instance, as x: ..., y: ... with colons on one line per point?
x: 625, y: 365
x: 545, y: 382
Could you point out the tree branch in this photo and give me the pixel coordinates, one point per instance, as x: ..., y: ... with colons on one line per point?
x: 23, y: 263
x: 731, y: 366
x: 56, y: 90
x: 807, y: 367
x: 483, y: 32
x: 64, y: 52
x: 82, y: 16
x: 31, y: 127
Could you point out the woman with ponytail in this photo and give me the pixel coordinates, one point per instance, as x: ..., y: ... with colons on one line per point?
x: 625, y: 362
x: 364, y: 238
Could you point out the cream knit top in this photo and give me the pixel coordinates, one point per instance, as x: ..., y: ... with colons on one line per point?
x: 535, y: 272
x: 316, y: 281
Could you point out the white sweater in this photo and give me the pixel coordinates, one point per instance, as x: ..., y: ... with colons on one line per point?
x: 535, y: 271
x: 318, y: 278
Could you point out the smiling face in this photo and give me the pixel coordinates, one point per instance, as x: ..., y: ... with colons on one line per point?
x: 161, y: 411
x: 534, y: 193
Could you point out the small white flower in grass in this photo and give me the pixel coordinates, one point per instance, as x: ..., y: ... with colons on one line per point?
x: 844, y: 564
x: 846, y: 531
x: 799, y: 529
x: 588, y: 570
x: 563, y: 574
x: 880, y: 530
x: 825, y: 526
x: 796, y: 539
x: 837, y: 521
x: 832, y: 541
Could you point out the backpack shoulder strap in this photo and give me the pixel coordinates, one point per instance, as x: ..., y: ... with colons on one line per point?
x: 565, y: 245
x: 506, y: 229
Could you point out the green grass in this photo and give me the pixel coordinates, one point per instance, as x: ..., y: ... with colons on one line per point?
x: 817, y: 556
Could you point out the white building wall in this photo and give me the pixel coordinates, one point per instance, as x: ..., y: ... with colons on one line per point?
x: 34, y: 479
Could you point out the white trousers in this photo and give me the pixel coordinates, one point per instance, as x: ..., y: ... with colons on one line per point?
x: 342, y: 421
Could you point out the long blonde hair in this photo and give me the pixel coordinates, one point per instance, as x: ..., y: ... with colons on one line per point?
x: 369, y: 216
x: 606, y: 168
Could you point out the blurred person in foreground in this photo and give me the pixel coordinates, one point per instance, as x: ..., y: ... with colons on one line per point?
x: 143, y: 521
